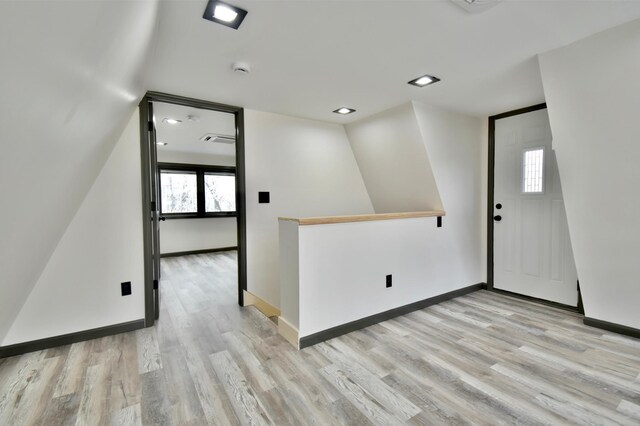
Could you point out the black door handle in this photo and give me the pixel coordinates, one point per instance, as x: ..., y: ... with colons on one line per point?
x: 162, y: 218
x: 497, y: 218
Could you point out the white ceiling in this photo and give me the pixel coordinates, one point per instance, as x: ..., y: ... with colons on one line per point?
x: 311, y: 57
x: 185, y: 136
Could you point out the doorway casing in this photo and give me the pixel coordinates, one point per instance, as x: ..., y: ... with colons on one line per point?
x: 148, y: 218
x: 490, y: 211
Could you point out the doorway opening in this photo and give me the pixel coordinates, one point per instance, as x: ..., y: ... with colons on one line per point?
x: 529, y: 252
x: 193, y: 188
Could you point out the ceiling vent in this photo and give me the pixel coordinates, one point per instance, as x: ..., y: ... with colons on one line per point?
x: 214, y: 137
x: 476, y: 6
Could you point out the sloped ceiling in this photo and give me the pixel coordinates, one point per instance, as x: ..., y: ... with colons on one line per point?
x: 595, y: 128
x: 311, y: 57
x: 72, y: 73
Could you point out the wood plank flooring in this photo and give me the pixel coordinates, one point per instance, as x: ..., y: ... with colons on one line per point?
x: 481, y: 359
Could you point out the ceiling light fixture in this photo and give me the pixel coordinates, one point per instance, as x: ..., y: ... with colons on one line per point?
x: 344, y: 110
x: 425, y: 80
x: 224, y: 14
x: 171, y: 120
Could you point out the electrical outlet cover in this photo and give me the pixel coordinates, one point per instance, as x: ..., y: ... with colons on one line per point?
x: 125, y: 287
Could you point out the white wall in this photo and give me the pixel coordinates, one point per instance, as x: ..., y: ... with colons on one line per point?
x: 393, y: 161
x: 177, y: 235
x: 343, y: 268
x: 168, y: 156
x: 592, y: 91
x: 79, y: 288
x: 72, y: 74
x: 309, y: 169
x: 456, y: 144
x: 289, y: 272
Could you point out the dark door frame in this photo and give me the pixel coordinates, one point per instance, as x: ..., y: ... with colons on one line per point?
x: 491, y: 181
x: 490, y: 203
x: 147, y: 221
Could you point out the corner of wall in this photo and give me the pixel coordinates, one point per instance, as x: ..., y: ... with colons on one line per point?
x: 393, y: 161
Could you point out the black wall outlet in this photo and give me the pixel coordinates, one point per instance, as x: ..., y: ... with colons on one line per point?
x: 389, y: 282
x: 126, y: 288
x: 263, y: 197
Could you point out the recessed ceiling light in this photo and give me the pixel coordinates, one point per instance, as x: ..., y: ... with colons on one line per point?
x: 162, y: 143
x: 171, y: 120
x: 344, y: 110
x: 224, y: 14
x: 425, y: 80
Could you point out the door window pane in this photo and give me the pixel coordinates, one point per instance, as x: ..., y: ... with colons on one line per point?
x: 179, y: 192
x: 219, y: 193
x: 533, y: 171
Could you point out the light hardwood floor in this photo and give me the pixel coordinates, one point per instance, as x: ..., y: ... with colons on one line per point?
x: 480, y: 359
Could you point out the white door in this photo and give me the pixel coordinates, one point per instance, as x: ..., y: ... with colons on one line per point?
x: 532, y: 249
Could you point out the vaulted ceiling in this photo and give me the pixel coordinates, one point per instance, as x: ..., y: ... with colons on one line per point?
x: 74, y: 71
x: 311, y: 57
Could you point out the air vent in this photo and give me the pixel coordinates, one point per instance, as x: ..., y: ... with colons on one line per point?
x: 214, y: 137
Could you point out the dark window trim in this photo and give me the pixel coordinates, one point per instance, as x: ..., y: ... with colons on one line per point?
x: 200, y: 170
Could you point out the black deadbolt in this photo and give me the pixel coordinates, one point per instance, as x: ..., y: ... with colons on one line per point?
x: 497, y: 218
x: 498, y: 206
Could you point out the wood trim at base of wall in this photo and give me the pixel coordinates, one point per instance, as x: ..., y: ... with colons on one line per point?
x: 267, y: 309
x: 610, y: 326
x: 288, y: 331
x: 67, y: 339
x: 330, y: 333
x: 187, y: 253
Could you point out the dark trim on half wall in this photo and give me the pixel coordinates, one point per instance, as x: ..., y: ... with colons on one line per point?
x: 330, y: 333
x: 187, y: 253
x: 67, y: 339
x: 610, y: 326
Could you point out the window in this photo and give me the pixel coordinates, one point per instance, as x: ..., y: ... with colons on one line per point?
x: 195, y: 191
x: 533, y: 171
x: 219, y: 192
x: 179, y: 191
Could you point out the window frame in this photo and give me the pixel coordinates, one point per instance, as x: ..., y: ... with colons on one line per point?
x: 523, y: 170
x: 200, y: 170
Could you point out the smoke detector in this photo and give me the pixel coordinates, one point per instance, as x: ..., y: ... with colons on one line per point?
x: 476, y: 6
x: 217, y: 138
x: 241, y: 68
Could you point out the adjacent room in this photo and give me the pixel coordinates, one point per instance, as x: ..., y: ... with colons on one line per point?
x: 197, y: 232
x: 320, y: 212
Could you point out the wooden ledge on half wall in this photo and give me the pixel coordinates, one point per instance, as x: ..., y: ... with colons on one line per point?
x: 363, y: 217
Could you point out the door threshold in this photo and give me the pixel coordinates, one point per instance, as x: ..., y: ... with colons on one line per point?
x: 537, y: 300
